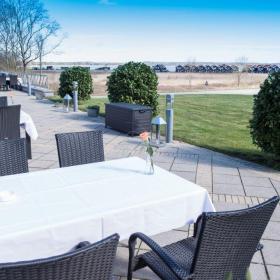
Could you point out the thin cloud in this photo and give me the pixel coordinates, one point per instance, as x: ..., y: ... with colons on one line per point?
x: 106, y: 2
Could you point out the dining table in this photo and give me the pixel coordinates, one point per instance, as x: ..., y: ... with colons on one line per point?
x: 50, y: 211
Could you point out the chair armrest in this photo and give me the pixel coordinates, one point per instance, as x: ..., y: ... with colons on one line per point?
x: 161, y: 252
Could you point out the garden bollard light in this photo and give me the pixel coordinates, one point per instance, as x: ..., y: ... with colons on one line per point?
x: 169, y: 117
x: 157, y: 122
x: 75, y: 96
x: 67, y: 98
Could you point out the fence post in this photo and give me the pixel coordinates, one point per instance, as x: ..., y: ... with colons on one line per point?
x: 29, y: 85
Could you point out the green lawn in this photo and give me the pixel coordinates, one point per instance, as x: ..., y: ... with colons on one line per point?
x: 217, y: 122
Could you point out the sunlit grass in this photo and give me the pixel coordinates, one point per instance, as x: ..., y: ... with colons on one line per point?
x: 217, y: 122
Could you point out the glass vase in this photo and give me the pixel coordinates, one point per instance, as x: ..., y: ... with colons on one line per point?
x: 149, y: 165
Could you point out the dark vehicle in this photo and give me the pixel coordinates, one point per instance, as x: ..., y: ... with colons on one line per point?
x: 160, y: 68
x: 105, y: 69
x: 180, y: 69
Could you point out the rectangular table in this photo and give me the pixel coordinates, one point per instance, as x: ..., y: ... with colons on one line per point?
x: 57, y: 208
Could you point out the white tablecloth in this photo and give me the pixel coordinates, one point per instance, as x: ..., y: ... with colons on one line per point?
x: 29, y: 125
x: 55, y: 209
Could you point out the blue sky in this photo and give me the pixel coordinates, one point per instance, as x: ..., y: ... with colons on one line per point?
x: 162, y: 30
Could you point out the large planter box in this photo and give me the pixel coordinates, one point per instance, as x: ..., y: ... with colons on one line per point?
x: 129, y: 118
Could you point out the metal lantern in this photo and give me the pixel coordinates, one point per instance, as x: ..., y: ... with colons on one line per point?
x: 67, y: 99
x: 157, y: 122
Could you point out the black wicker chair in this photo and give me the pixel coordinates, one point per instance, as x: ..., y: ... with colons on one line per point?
x: 13, y: 159
x: 10, y: 122
x: 80, y: 148
x: 3, y: 101
x: 223, y: 242
x: 86, y: 262
x: 10, y: 126
x: 14, y: 81
x: 3, y: 84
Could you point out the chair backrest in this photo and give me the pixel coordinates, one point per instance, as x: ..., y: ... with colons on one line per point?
x: 227, y: 241
x: 3, y: 101
x: 2, y: 80
x: 13, y: 159
x: 13, y: 80
x: 80, y: 148
x: 92, y: 262
x: 10, y: 122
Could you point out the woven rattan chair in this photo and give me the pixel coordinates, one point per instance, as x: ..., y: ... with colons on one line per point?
x: 3, y: 101
x: 14, y: 81
x: 10, y: 126
x: 3, y: 84
x: 80, y: 148
x: 223, y: 242
x: 87, y: 262
x: 10, y: 122
x: 13, y: 159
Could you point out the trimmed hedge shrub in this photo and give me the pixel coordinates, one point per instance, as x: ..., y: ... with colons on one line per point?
x: 265, y: 124
x: 82, y: 76
x: 134, y: 83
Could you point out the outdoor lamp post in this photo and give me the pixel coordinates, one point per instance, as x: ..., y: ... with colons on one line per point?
x: 169, y: 117
x: 67, y: 98
x: 157, y: 122
x: 75, y: 96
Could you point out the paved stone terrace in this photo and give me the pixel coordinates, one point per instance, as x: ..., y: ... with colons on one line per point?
x: 232, y: 183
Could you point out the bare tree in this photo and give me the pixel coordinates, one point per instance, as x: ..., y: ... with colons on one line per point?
x: 8, y: 48
x: 191, y: 62
x: 43, y: 46
x: 23, y: 23
x: 241, y: 61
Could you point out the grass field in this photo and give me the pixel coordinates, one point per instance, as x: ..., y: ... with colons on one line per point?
x: 217, y: 122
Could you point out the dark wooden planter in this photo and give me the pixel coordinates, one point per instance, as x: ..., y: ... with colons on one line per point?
x: 129, y: 118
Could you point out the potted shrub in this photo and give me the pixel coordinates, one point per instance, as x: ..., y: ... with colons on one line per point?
x: 134, y: 82
x: 93, y: 110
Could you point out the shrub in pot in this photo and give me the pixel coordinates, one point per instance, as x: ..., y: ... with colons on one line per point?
x: 82, y: 76
x: 265, y: 124
x: 134, y: 82
x: 93, y: 111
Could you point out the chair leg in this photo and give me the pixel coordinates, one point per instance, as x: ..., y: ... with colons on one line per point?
x: 131, y: 246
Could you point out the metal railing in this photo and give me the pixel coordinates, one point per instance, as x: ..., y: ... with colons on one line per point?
x: 35, y: 79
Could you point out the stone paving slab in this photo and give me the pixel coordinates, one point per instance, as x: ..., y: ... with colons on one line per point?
x: 232, y: 183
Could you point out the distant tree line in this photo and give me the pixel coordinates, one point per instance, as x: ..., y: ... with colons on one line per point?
x: 25, y: 29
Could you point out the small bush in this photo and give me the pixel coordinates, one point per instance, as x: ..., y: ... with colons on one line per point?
x: 134, y: 83
x: 82, y: 76
x: 265, y: 124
